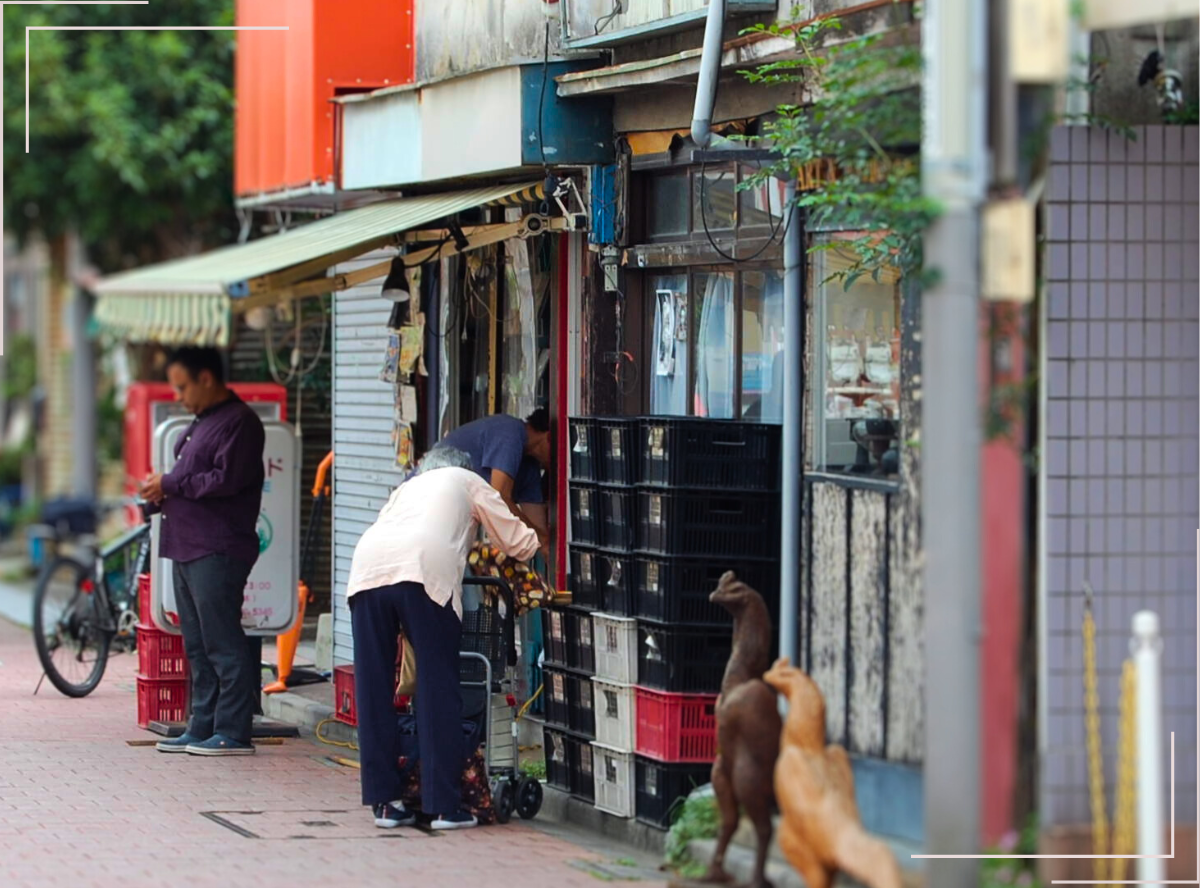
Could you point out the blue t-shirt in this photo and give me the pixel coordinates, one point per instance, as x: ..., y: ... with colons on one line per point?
x: 498, y: 442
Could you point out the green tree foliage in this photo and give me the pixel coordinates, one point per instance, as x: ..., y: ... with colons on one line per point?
x: 864, y: 120
x: 131, y: 133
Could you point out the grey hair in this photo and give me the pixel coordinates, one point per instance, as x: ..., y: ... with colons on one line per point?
x: 443, y: 458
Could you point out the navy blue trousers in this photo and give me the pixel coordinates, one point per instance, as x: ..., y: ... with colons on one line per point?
x: 376, y: 618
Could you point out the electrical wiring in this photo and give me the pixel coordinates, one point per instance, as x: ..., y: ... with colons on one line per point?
x: 607, y: 19
x: 542, y: 98
x: 704, y: 220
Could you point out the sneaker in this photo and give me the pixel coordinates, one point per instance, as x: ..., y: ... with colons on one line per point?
x: 457, y: 820
x: 178, y: 744
x: 393, y: 814
x: 220, y: 745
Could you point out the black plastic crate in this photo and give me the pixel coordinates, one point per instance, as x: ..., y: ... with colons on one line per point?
x: 556, y: 696
x: 688, y: 452
x: 579, y: 699
x: 709, y: 523
x: 585, y: 514
x: 583, y: 784
x: 675, y: 590
x: 581, y: 646
x: 618, y: 576
x: 585, y: 449
x: 661, y: 788
x: 619, y: 438
x: 557, y: 754
x: 618, y: 516
x: 555, y: 638
x: 585, y: 577
x: 683, y: 659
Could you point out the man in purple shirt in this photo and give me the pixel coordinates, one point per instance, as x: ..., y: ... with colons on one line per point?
x: 210, y: 502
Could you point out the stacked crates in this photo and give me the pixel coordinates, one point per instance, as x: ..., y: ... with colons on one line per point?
x: 603, y: 499
x: 708, y: 502
x: 163, y: 679
x: 569, y: 655
x: 661, y: 507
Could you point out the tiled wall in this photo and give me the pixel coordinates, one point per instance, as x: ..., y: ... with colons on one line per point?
x: 1119, y: 439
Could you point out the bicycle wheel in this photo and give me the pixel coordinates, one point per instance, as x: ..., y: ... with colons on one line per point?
x: 70, y: 635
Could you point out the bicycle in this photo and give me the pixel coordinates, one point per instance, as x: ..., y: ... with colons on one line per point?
x: 82, y: 609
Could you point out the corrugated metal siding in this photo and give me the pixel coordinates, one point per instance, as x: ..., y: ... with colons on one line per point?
x: 364, y: 468
x: 248, y: 364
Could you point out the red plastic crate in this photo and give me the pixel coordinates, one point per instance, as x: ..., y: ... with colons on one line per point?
x: 344, y: 709
x: 144, y: 614
x: 676, y: 727
x: 162, y: 699
x: 160, y: 654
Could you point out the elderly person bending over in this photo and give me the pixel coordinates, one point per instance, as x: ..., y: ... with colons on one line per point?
x: 407, y: 574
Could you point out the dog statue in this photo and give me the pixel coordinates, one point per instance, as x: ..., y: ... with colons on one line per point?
x: 748, y: 728
x: 820, y: 833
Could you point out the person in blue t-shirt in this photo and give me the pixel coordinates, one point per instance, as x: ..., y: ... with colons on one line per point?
x: 510, y: 454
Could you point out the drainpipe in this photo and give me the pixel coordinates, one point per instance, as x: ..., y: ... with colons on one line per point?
x: 793, y: 427
x: 953, y: 161
x: 710, y: 73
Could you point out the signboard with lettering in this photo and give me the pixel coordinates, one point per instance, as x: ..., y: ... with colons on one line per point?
x: 270, y: 606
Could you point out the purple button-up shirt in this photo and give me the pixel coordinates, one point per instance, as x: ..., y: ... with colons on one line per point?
x: 214, y: 493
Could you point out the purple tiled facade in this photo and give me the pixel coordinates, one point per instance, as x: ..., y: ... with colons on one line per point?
x: 1119, y: 459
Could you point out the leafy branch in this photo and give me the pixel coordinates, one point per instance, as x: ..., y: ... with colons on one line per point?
x: 860, y: 133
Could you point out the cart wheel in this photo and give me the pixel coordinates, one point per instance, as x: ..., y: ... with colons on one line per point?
x: 529, y: 798
x: 506, y: 801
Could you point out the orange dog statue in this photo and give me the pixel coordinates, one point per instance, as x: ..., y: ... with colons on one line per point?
x: 820, y: 832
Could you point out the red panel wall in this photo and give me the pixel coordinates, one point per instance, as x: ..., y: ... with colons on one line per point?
x: 284, y: 122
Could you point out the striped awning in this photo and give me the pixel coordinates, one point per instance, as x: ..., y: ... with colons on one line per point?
x: 192, y: 300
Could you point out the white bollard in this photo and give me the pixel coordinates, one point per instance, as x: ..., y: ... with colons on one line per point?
x: 1147, y: 657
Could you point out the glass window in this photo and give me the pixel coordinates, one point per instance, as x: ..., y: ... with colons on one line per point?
x: 714, y: 199
x: 667, y: 204
x: 856, y: 369
x: 761, y: 206
x: 716, y: 334
x: 669, y: 356
x: 762, y: 346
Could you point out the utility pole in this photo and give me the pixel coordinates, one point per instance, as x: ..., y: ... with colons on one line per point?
x: 953, y: 158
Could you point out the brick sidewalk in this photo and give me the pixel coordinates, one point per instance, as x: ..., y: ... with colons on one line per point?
x: 79, y: 807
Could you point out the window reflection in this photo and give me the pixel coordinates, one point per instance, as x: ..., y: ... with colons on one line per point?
x: 857, y: 370
x: 762, y: 346
x: 715, y: 345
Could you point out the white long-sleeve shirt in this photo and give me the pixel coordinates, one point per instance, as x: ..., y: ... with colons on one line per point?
x: 424, y: 533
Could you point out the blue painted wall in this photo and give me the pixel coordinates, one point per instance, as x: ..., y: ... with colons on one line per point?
x: 575, y: 131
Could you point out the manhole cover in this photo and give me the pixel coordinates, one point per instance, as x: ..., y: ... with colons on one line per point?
x: 335, y: 824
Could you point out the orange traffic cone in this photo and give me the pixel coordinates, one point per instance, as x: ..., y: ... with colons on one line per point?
x: 285, y: 646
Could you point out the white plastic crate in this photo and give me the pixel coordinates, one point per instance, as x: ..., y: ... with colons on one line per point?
x: 616, y: 714
x: 613, y: 776
x: 504, y: 744
x: 616, y: 648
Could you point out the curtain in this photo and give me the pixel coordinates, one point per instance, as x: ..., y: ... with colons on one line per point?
x: 715, y: 352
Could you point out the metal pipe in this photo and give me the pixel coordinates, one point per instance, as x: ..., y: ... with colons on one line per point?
x: 954, y: 39
x: 83, y: 384
x: 793, y: 426
x: 710, y: 73
x: 1147, y: 657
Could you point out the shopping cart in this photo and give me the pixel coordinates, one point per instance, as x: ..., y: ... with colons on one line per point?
x: 488, y: 713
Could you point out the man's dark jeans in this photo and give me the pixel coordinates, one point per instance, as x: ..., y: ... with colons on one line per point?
x: 208, y: 596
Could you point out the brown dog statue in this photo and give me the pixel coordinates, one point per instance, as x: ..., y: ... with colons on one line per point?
x: 820, y: 833
x: 748, y: 728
